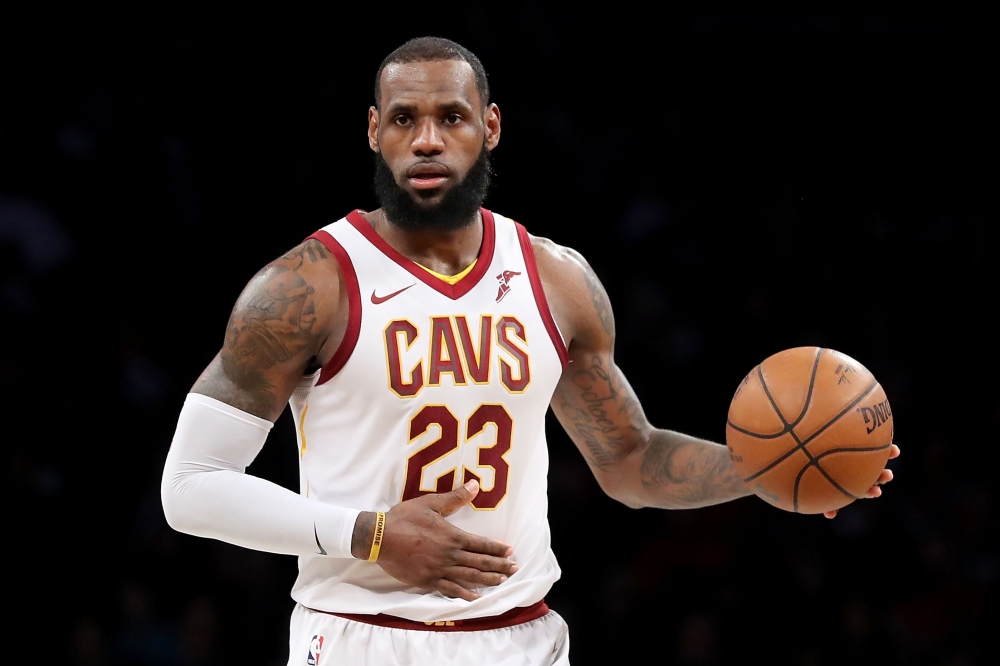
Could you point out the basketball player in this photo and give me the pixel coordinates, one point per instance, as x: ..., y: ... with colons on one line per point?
x: 418, y: 347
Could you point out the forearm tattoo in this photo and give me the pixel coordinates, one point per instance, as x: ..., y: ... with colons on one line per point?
x: 600, y: 411
x: 688, y: 471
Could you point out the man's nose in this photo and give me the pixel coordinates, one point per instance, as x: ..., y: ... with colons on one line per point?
x: 429, y: 140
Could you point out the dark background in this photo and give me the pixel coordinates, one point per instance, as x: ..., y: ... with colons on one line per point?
x: 742, y: 181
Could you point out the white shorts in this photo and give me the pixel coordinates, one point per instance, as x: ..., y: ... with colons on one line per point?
x: 321, y: 639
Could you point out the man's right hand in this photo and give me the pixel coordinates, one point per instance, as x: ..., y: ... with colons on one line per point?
x: 421, y: 548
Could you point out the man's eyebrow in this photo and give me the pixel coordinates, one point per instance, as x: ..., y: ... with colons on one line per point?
x: 401, y: 107
x: 455, y: 105
x: 444, y: 107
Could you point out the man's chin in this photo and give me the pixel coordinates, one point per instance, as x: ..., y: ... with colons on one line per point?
x: 427, y: 200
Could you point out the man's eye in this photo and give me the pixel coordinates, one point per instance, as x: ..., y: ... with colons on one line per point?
x: 453, y: 119
x: 401, y: 120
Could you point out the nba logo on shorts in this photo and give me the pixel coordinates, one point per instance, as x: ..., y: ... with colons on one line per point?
x: 315, y: 645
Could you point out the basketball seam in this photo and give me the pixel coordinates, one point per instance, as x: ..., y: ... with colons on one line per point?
x: 860, y: 449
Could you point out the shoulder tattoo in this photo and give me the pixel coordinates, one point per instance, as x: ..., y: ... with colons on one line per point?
x: 599, y: 297
x: 311, y: 250
x: 273, y: 322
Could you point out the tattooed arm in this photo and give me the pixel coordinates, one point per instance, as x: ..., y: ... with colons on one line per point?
x: 289, y: 319
x: 634, y: 463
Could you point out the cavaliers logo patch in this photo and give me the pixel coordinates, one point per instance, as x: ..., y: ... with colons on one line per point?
x: 315, y: 647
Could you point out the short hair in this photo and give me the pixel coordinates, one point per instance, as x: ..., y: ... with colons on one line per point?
x: 428, y: 49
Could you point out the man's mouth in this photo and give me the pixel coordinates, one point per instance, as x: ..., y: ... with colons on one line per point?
x: 427, y: 176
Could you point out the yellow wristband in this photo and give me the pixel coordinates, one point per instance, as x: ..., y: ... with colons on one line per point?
x: 377, y: 541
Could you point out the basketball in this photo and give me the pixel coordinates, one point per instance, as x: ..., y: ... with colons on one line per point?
x: 809, y: 430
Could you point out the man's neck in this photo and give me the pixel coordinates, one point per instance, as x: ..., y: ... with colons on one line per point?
x: 446, y: 252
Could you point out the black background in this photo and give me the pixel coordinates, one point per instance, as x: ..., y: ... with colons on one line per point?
x: 742, y: 181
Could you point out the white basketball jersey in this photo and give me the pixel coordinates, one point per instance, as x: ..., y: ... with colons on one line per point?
x: 433, y: 385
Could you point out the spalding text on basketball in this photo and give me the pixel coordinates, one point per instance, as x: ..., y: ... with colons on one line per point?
x: 876, y: 415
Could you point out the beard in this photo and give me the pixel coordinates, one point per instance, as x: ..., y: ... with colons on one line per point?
x: 456, y: 209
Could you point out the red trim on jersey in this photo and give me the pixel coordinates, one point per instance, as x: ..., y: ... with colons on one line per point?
x: 509, y: 619
x: 536, y: 288
x: 353, y: 307
x: 452, y: 291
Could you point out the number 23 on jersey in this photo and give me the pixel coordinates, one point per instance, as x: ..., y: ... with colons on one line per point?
x: 490, y: 454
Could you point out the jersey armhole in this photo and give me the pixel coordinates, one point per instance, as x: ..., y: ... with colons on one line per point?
x: 540, y: 300
x: 346, y: 347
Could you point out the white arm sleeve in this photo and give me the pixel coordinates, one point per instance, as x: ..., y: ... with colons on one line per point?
x: 205, y: 491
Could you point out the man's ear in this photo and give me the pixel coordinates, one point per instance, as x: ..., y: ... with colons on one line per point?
x: 373, y: 119
x: 492, y: 123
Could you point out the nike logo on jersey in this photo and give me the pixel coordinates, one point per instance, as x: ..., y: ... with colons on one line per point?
x: 382, y: 299
x: 322, y: 551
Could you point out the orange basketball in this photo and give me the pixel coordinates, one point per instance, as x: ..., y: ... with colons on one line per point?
x: 809, y: 430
